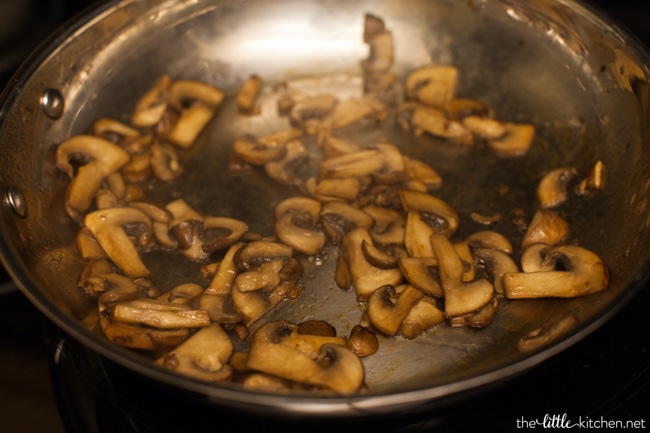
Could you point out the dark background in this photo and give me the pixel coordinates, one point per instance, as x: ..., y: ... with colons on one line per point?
x: 605, y: 375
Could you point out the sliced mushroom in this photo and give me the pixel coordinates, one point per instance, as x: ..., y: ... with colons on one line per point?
x: 265, y: 277
x: 140, y: 337
x: 187, y: 229
x: 308, y: 113
x: 362, y: 341
x: 116, y: 132
x: 352, y: 111
x: 381, y: 54
x: 423, y: 172
x: 346, y: 189
x: 88, y: 246
x: 252, y: 151
x: 247, y: 96
x: 356, y: 164
x: 224, y: 278
x: 422, y: 274
x: 424, y: 315
x: 388, y: 306
x: 532, y: 258
x: 220, y: 308
x: 515, y: 142
x: 377, y: 257
x: 366, y: 277
x: 196, y: 101
x: 438, y: 125
x: 546, y: 227
x: 593, y: 180
x: 389, y: 227
x: 578, y: 272
x: 433, y: 85
x: 254, y: 253
x: 151, y: 107
x: 338, y: 218
x: 164, y: 162
x: 334, y: 367
x: 416, y: 235
x: 107, y: 226
x: 428, y: 204
x: 552, y: 189
x: 157, y: 314
x: 286, y: 169
x: 460, y: 298
x: 336, y: 146
x: 479, y: 318
x: 296, y: 225
x: 461, y: 108
x: 485, y: 127
x: 222, y: 232
x: 203, y: 356
x: 490, y: 239
x: 98, y: 159
x: 497, y: 263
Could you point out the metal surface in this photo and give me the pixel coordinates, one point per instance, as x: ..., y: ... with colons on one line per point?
x: 581, y: 82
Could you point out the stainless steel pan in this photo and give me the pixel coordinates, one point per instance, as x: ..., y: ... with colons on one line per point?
x: 557, y: 64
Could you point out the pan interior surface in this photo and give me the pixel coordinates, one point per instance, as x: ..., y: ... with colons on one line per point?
x: 550, y: 63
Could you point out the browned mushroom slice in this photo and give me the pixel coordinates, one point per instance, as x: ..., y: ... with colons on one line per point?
x: 416, y: 235
x: 421, y: 273
x: 552, y: 189
x: 489, y: 239
x: 280, y: 137
x: 247, y: 96
x: 153, y: 211
x: 532, y: 258
x: 433, y: 85
x: 252, y: 151
x: 184, y: 293
x: 342, y: 275
x: 422, y: 172
x: 581, y: 272
x: 593, y: 180
x: 139, y: 337
x: 394, y: 168
x: 115, y: 132
x: 437, y: 124
x: 94, y: 268
x: 224, y: 278
x: 465, y: 255
x: 222, y: 232
x: 88, y: 245
x: 497, y: 263
x: 424, y: 315
x: 460, y: 108
x: 546, y: 227
x: 366, y: 277
x: 203, y: 356
x: 96, y: 159
x: 377, y: 257
x: 346, y: 189
x: 388, y: 306
x: 255, y: 253
x: 108, y: 227
x: 308, y: 113
x: 158, y: 314
x: 296, y: 225
x: 265, y: 277
x: 253, y: 305
x: 460, y: 298
x: 515, y: 142
x: 389, y: 227
x: 286, y: 169
x: 151, y: 107
x: 338, y: 218
x: 362, y: 341
x: 164, y: 162
x: 484, y: 127
x: 432, y: 208
x: 354, y: 110
x: 197, y: 103
x: 333, y: 367
x: 336, y: 146
x: 479, y: 318
x: 187, y: 229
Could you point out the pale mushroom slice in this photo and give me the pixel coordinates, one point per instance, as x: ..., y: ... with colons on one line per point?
x: 366, y: 278
x: 247, y: 97
x: 333, y: 366
x: 203, y: 356
x: 352, y: 111
x: 438, y: 124
x: 582, y: 272
x: 197, y: 102
x: 346, y: 189
x: 151, y: 107
x: 432, y: 85
x: 118, y: 133
x: 389, y: 227
x: 460, y: 298
x: 224, y: 278
x: 249, y: 149
x: 357, y: 164
x: 98, y: 158
x: 532, y: 258
x: 490, y: 239
x: 497, y: 264
x: 423, y: 172
x: 308, y: 113
x: 547, y: 227
x: 552, y: 190
x: 108, y: 227
x: 336, y: 146
x: 388, y: 306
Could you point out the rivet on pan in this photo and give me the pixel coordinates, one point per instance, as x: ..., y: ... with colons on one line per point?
x: 52, y: 103
x: 16, y: 202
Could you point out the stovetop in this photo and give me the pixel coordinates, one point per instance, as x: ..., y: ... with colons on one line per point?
x: 602, y: 379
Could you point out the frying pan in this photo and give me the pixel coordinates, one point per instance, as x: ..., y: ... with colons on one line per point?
x: 556, y: 64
